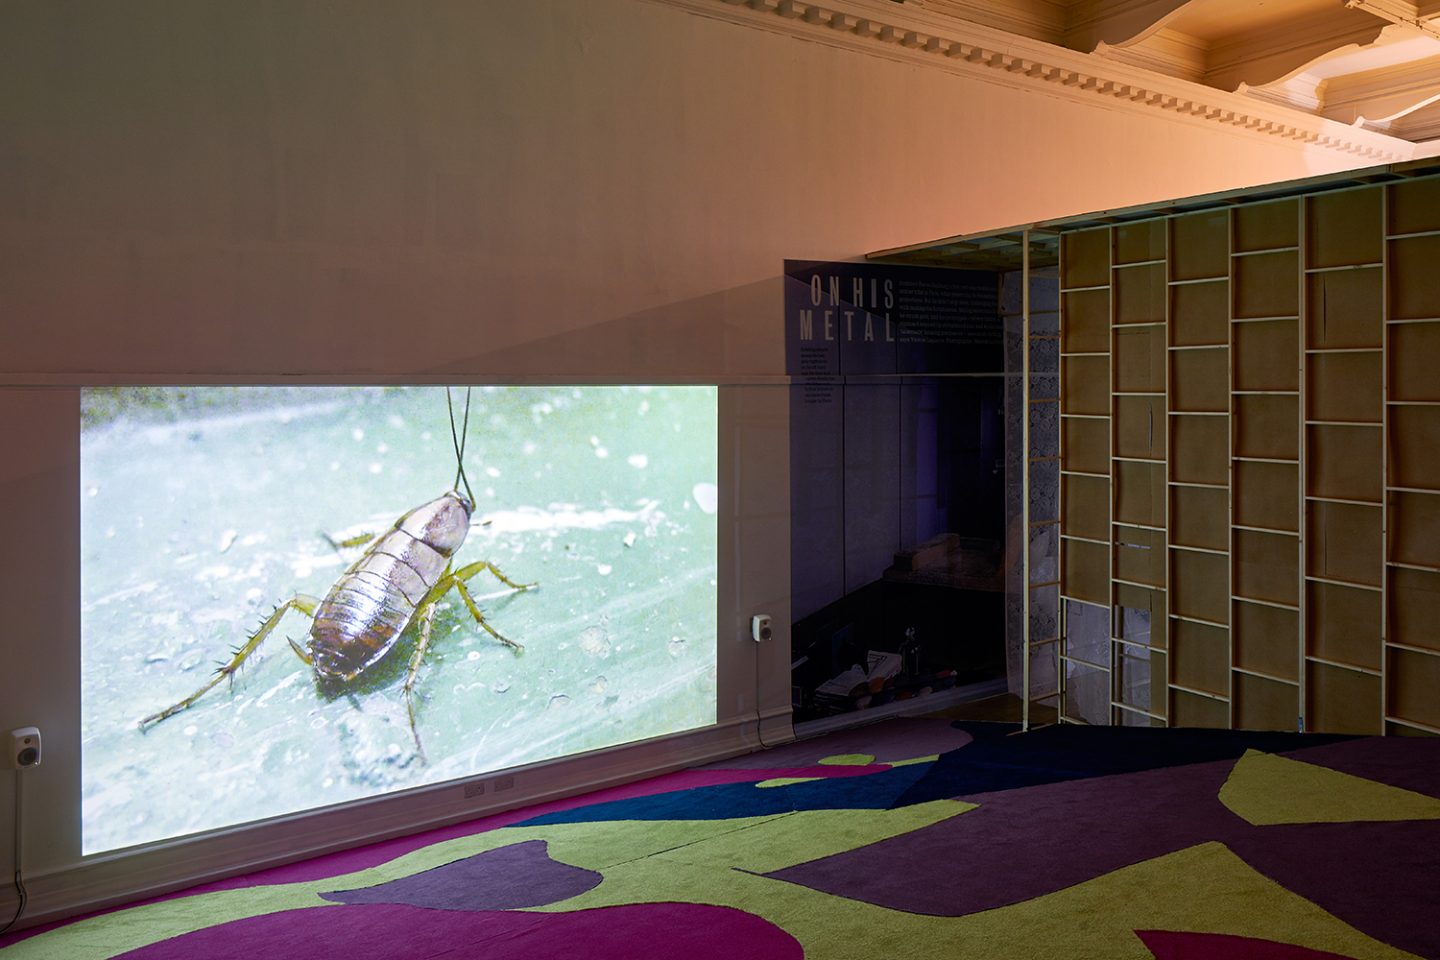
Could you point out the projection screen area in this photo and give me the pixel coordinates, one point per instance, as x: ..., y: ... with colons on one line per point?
x: 583, y: 528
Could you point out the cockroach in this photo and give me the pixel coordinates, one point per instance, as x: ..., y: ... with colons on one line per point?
x: 399, y: 580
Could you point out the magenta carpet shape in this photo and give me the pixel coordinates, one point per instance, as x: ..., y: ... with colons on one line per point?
x: 661, y: 931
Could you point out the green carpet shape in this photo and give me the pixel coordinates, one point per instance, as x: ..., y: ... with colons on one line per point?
x: 1265, y: 789
x: 595, y: 846
x: 1202, y: 888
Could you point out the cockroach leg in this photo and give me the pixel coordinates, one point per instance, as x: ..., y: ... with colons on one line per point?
x: 457, y: 580
x: 471, y: 569
x: 349, y: 543
x: 417, y: 656
x: 303, y: 602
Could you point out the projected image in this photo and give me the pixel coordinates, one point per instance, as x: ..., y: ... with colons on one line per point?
x: 298, y: 596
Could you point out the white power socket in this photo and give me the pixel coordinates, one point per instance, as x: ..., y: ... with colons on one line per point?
x: 23, y: 748
x: 760, y: 628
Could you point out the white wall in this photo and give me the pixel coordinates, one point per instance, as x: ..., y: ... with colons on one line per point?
x: 203, y: 190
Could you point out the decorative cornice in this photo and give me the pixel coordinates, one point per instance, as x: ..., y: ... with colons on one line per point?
x: 1164, y: 51
x: 1038, y: 19
x: 899, y: 32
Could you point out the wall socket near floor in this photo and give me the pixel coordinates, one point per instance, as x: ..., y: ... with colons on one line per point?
x: 476, y: 788
x: 22, y: 750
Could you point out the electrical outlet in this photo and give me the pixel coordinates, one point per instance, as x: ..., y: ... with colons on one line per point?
x: 23, y: 748
x: 474, y: 788
x: 504, y: 783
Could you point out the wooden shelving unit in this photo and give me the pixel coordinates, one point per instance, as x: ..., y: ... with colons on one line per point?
x: 1086, y: 400
x: 1198, y: 475
x: 1043, y: 441
x: 1265, y: 465
x: 1410, y: 429
x: 1138, y: 445
x: 1250, y: 464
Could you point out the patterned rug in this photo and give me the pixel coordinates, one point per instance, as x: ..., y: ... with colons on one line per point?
x: 914, y: 837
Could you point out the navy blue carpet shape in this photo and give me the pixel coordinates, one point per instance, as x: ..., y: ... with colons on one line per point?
x: 999, y: 761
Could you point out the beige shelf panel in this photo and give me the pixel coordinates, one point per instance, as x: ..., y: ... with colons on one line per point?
x: 1148, y: 666
x: 1345, y: 309
x: 1085, y: 258
x: 1267, y: 495
x: 1344, y: 227
x: 1344, y: 462
x: 1267, y: 640
x: 1190, y: 710
x: 1140, y: 241
x: 1200, y: 654
x: 1266, y: 226
x: 1085, y: 507
x: 1140, y: 294
x: 1140, y: 555
x: 1344, y: 386
x: 1267, y: 285
x: 1414, y: 679
x: 1414, y: 294
x: 1200, y: 313
x: 1342, y: 701
x: 1414, y: 205
x: 1200, y: 517
x: 1267, y: 567
x: 1130, y: 597
x: 1086, y: 445
x: 1262, y: 704
x: 1343, y: 624
x: 1200, y: 449
x: 1140, y: 360
x: 1140, y: 493
x: 1267, y: 427
x: 1267, y: 355
x: 1200, y: 245
x: 1086, y: 570
x: 1086, y: 387
x: 1343, y: 541
x: 1415, y: 446
x: 1415, y: 361
x: 1140, y: 427
x: 1415, y: 530
x: 1200, y: 586
x: 1087, y: 322
x: 1200, y: 380
x: 1414, y: 605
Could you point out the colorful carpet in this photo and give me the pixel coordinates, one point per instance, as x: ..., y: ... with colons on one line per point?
x: 914, y: 838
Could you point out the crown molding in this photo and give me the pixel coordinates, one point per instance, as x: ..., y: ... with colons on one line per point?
x: 1164, y: 51
x: 1037, y: 19
x: 914, y: 36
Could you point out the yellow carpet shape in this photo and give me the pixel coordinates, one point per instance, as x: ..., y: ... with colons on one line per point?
x: 1265, y: 790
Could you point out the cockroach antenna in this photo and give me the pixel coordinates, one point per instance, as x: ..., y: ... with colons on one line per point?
x: 459, y: 442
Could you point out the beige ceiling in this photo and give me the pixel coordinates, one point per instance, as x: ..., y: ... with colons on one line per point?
x: 1371, y: 63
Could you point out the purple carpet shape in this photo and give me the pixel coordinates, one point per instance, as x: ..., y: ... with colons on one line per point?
x: 662, y: 931
x: 507, y: 878
x: 1410, y: 763
x: 1377, y: 877
x: 1004, y: 852
x: 1177, y: 945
